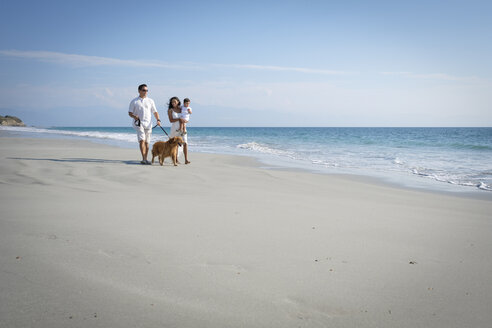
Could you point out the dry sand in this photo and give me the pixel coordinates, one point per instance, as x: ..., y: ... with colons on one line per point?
x: 89, y: 238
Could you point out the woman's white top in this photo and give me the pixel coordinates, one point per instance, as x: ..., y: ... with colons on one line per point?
x: 175, y: 126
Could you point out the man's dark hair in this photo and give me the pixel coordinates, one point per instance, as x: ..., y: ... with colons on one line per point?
x: 186, y: 100
x: 141, y: 86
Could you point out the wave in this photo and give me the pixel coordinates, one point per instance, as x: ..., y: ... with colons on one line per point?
x: 117, y: 136
x: 470, y: 146
x: 324, y: 163
x: 480, y: 181
x: 484, y: 186
x: 446, y: 177
x: 261, y: 148
x: 398, y: 161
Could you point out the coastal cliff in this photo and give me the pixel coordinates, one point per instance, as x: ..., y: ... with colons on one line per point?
x: 11, y: 121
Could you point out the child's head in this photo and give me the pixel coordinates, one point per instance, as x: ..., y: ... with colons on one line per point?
x: 186, y: 102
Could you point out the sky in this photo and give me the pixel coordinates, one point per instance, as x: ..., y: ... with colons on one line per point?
x: 249, y: 63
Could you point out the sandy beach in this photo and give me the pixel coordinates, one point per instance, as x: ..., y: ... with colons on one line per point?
x: 90, y: 238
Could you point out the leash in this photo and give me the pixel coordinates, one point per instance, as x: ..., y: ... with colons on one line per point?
x: 162, y: 130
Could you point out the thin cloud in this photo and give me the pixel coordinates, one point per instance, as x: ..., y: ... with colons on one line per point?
x: 434, y: 76
x: 84, y: 60
x: 287, y: 69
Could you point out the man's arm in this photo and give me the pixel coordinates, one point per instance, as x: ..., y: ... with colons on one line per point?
x: 156, y: 114
x: 130, y: 111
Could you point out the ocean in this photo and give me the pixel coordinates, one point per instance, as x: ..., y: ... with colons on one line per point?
x: 451, y: 159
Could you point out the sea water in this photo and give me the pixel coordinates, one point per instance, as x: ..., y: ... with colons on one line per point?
x: 457, y: 159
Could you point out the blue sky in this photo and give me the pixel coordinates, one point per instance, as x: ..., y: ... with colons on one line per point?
x: 249, y: 63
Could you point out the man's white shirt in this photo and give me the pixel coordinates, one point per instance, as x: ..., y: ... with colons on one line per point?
x: 143, y: 108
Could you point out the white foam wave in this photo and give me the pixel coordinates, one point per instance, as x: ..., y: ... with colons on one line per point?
x: 455, y: 179
x: 324, y: 163
x: 484, y: 186
x: 127, y: 137
x: 265, y: 149
x: 398, y: 161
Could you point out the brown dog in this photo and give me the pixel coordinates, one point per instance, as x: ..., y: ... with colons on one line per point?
x: 167, y: 149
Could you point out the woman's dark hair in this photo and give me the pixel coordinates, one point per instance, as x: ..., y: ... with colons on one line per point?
x: 170, y: 106
x: 141, y: 86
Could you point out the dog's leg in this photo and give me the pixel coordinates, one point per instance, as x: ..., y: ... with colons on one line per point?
x: 175, y: 158
x: 161, y: 159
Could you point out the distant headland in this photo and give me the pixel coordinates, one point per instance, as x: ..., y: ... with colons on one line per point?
x: 11, y: 121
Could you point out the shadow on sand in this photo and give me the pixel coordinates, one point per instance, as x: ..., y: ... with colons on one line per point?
x: 79, y: 160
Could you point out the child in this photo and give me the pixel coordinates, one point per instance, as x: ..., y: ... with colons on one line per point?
x: 184, y: 117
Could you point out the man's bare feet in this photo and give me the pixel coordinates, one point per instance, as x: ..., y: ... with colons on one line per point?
x: 187, y: 162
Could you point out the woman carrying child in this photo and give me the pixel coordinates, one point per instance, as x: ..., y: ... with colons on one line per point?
x: 173, y: 112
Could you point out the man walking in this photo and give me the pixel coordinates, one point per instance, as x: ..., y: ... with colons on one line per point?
x: 141, y: 110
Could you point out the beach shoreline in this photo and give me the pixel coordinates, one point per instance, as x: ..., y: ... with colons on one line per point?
x: 438, y: 159
x: 415, y: 183
x: 90, y: 237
